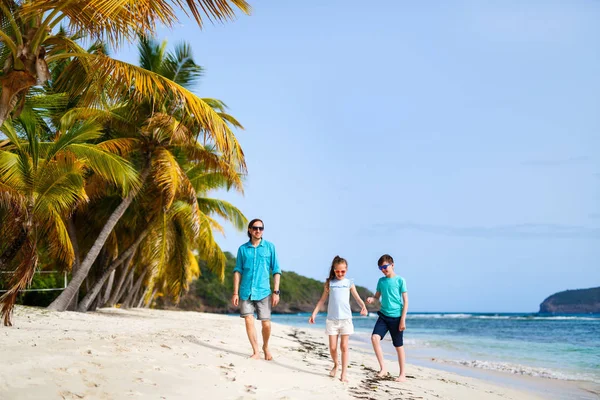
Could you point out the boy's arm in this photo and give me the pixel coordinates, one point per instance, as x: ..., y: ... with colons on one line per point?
x: 318, y: 306
x: 404, y: 311
x: 375, y: 297
x: 363, y: 308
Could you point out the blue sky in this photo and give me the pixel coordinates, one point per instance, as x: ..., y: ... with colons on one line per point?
x: 460, y: 137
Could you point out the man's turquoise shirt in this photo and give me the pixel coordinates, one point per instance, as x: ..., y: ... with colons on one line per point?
x: 256, y: 264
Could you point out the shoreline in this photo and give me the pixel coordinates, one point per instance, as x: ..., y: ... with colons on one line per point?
x: 156, y: 354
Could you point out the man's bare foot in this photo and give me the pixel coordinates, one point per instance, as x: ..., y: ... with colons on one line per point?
x: 255, y: 356
x: 268, y: 355
x: 333, y: 370
x: 343, y: 378
x: 401, y: 378
x: 382, y: 373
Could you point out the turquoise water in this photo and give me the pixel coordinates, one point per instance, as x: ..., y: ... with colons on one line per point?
x: 563, y: 347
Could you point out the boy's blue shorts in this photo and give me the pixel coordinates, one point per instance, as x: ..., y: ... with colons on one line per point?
x: 387, y: 324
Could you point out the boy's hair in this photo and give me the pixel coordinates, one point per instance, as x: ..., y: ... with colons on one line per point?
x: 252, y: 223
x: 336, y: 260
x: 385, y: 259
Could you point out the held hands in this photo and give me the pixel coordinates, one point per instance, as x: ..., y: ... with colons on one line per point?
x: 235, y: 299
x: 363, y: 311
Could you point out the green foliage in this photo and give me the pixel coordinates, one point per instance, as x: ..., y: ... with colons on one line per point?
x: 40, y: 281
x: 298, y: 293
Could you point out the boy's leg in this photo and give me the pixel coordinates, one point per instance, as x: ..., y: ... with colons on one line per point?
x: 398, y: 341
x: 345, y: 356
x: 379, y: 332
x: 333, y: 341
x: 401, y: 362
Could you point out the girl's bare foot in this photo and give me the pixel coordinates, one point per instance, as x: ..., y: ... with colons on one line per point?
x: 401, y: 378
x: 382, y: 373
x: 333, y: 370
x: 255, y: 356
x: 343, y: 378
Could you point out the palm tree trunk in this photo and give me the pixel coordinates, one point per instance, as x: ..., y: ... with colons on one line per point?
x: 136, y: 288
x: 108, y: 288
x: 117, y: 290
x: 63, y: 300
x: 75, y: 243
x: 12, y: 84
x: 149, y: 302
x: 128, y: 282
x: 93, y: 293
x: 141, y: 300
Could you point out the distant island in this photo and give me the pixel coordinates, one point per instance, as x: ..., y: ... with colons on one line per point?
x: 579, y: 301
x: 298, y: 293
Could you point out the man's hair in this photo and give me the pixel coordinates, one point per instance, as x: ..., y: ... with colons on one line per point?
x: 252, y: 223
x: 385, y: 259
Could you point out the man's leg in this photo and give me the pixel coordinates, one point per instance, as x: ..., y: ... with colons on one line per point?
x: 251, y: 331
x: 333, y: 341
x: 401, y: 362
x: 266, y: 334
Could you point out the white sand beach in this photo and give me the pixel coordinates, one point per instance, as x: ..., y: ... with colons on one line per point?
x: 154, y: 354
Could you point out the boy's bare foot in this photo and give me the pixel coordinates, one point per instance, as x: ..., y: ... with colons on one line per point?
x: 333, y: 370
x: 401, y: 378
x: 268, y: 355
x: 255, y: 356
x: 382, y: 373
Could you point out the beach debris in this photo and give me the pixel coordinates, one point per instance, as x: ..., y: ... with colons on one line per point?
x: 165, y: 346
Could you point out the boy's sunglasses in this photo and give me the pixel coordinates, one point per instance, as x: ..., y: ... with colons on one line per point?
x: 257, y: 228
x: 385, y: 266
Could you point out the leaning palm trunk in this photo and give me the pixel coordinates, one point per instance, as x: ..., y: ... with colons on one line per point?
x: 133, y: 292
x: 75, y: 243
x: 62, y: 302
x: 108, y: 288
x: 93, y: 293
x: 117, y: 292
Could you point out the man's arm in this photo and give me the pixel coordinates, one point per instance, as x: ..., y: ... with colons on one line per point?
x: 275, y: 297
x: 235, y: 299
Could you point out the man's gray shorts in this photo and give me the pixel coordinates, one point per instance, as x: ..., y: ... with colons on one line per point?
x: 261, y: 307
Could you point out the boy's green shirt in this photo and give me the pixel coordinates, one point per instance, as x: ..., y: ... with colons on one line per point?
x: 391, y: 290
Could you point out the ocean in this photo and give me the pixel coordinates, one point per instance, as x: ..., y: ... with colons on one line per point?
x: 558, y: 347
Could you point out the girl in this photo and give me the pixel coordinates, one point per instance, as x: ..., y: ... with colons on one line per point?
x: 339, y: 316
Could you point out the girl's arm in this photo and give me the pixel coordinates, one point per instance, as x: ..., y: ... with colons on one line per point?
x: 404, y: 311
x: 372, y: 299
x: 363, y: 308
x: 319, y: 305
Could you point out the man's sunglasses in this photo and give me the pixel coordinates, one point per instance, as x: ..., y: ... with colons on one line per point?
x: 385, y: 266
x: 257, y: 228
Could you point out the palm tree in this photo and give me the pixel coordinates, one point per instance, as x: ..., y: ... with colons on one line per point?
x: 159, y: 133
x: 43, y: 182
x: 27, y: 35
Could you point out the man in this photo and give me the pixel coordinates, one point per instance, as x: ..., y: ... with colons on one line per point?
x: 256, y: 261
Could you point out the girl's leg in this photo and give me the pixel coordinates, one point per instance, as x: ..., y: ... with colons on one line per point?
x: 345, y: 356
x: 401, y: 362
x: 376, y: 340
x: 333, y: 339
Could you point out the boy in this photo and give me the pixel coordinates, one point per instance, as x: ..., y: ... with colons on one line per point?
x: 392, y: 316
